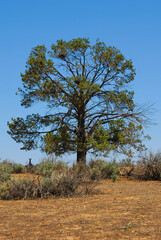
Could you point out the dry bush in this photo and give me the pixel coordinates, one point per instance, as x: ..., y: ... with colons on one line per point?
x: 19, y: 189
x: 126, y: 167
x: 82, y: 172
x: 151, y: 166
x: 60, y: 184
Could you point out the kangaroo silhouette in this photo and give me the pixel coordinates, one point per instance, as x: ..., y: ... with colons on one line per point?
x: 30, y: 165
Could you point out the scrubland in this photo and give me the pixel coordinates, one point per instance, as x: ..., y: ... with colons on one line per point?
x: 102, y: 201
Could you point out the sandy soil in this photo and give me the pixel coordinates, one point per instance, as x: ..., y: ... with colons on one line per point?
x: 121, y: 210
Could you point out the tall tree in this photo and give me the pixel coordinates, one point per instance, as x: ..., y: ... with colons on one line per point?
x: 90, y: 108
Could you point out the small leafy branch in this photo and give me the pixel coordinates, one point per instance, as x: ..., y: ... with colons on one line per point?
x: 129, y: 225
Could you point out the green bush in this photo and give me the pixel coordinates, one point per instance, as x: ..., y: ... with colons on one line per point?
x: 101, y: 169
x: 18, y: 168
x: 45, y: 168
x: 6, y: 166
x: 5, y: 171
x: 114, y: 177
x: 4, y: 176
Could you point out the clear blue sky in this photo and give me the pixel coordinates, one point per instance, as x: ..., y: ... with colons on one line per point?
x: 134, y: 27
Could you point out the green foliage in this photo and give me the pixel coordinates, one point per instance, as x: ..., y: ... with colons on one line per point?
x: 58, y: 143
x: 95, y: 173
x: 18, y: 168
x: 46, y: 168
x: 114, y: 177
x: 89, y: 105
x: 98, y: 169
x: 5, y: 171
x: 4, y: 176
x: 9, y: 167
x: 129, y: 225
x: 6, y: 166
x: 101, y: 169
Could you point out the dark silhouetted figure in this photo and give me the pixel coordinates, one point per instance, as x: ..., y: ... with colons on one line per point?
x: 30, y: 166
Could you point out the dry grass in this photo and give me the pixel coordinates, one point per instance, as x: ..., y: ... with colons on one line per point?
x: 121, y: 210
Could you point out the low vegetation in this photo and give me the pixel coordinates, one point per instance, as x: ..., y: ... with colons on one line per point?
x: 103, y: 170
x: 59, y: 184
x: 57, y: 179
x: 151, y: 166
x: 47, y: 167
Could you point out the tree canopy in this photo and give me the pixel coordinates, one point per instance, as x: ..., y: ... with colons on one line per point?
x: 89, y: 105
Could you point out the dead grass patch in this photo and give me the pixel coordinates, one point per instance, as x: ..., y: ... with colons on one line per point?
x: 121, y: 210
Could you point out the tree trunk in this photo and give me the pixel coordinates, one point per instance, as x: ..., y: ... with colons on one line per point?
x: 81, y: 144
x: 81, y: 156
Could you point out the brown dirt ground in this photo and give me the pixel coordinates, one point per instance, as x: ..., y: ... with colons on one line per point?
x: 121, y: 210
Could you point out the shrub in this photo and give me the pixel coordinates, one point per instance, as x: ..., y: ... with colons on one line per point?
x: 5, y: 170
x: 110, y: 169
x: 19, y: 189
x: 4, y: 176
x: 65, y: 184
x: 126, y: 167
x: 127, y: 162
x: 114, y: 177
x: 6, y: 166
x: 151, y: 166
x: 45, y: 168
x: 60, y: 184
x: 18, y: 168
x: 102, y: 169
x: 95, y: 173
x: 60, y: 166
x: 82, y: 171
x: 4, y: 191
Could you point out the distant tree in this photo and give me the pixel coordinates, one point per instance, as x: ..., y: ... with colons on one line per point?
x: 90, y: 108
